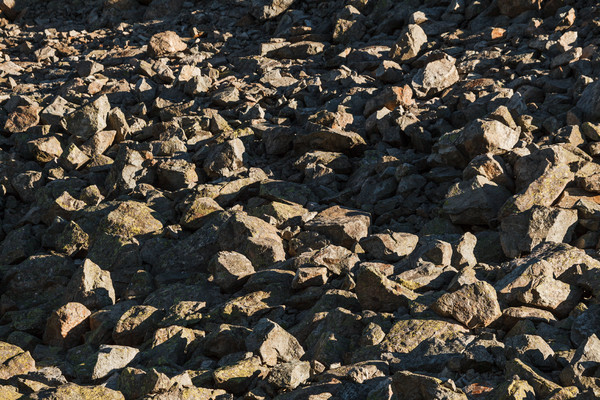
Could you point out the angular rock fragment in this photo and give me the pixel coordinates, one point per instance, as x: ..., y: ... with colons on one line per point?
x: 66, y: 326
x: 476, y: 201
x: 91, y: 286
x: 475, y: 305
x: 409, y: 44
x: 273, y: 344
x: 256, y: 239
x: 390, y: 246
x: 229, y: 270
x: 435, y: 77
x: 378, y: 293
x: 164, y: 44
x: 87, y: 120
x: 343, y: 226
x: 522, y: 232
x: 406, y: 384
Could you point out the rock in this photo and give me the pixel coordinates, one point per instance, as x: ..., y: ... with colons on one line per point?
x: 45, y: 149
x: 134, y: 383
x: 162, y: 8
x: 585, y: 359
x: 289, y: 375
x: 390, y: 246
x: 333, y: 140
x: 66, y: 326
x: 133, y: 326
x: 435, y: 77
x: 229, y: 270
x: 541, y: 192
x: 408, y: 46
x: 129, y: 219
x: 165, y: 44
x: 195, y: 211
x: 91, y: 286
x: 532, y: 349
x: 74, y: 391
x: 112, y: 358
x: 476, y: 201
x: 541, y: 385
x: 176, y: 174
x: 14, y: 361
x: 475, y: 305
x: 23, y: 118
x: 513, y: 8
x: 225, y: 159
x: 406, y: 384
x: 343, y: 226
x: 87, y: 120
x: 267, y: 9
x: 273, y: 344
x: 236, y: 378
x: 256, y: 239
x: 378, y: 293
x: 484, y: 135
x: 522, y: 232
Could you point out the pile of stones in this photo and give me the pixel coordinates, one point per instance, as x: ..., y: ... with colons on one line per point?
x: 317, y: 199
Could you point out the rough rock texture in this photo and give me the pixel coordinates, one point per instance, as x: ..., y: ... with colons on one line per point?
x: 277, y: 199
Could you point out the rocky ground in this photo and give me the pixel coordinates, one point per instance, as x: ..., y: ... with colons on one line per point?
x: 278, y: 199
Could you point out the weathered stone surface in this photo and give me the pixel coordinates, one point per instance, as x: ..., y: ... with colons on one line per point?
x: 273, y: 344
x: 91, y: 286
x: 14, y: 361
x: 87, y: 120
x: 378, y: 293
x: 258, y: 240
x: 522, y: 232
x: 277, y: 199
x: 513, y: 8
x: 343, y: 226
x: 408, y: 46
x: 112, y: 358
x: 416, y: 386
x: 229, y: 270
x: 435, y: 77
x: 164, y: 44
x: 391, y: 246
x: 289, y: 375
x: 475, y: 305
x: 133, y: 326
x: 66, y: 326
x: 476, y: 201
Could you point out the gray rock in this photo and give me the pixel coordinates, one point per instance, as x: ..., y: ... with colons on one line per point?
x: 475, y: 305
x: 532, y: 349
x: 225, y: 159
x: 391, y: 246
x: 344, y: 226
x: 112, y: 358
x: 87, y: 120
x: 267, y: 9
x: 408, y: 46
x: 289, y: 375
x: 230, y: 270
x: 258, y: 240
x: 91, y: 286
x: 476, y: 201
x: 408, y: 385
x: 522, y: 232
x: 436, y: 76
x: 378, y: 293
x: 273, y: 343
x: 165, y: 44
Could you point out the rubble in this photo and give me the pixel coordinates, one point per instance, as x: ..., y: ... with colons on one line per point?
x: 277, y: 199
